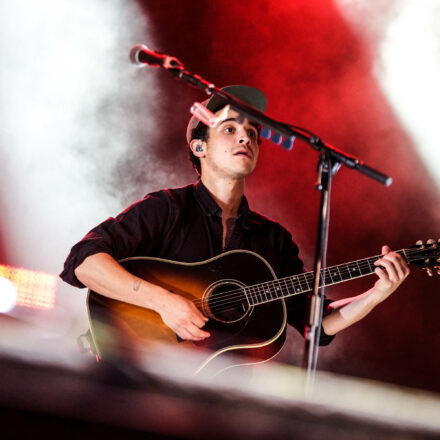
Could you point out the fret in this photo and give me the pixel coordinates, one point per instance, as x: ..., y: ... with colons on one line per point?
x: 327, y: 277
x: 324, y: 280
x: 287, y: 290
x: 256, y: 299
x: 363, y: 267
x: 353, y: 270
x: 403, y: 254
x: 286, y: 286
x: 266, y: 291
x: 289, y: 283
x: 335, y: 274
x: 270, y: 290
x: 278, y: 290
x: 297, y: 287
x: 257, y: 294
x: 372, y: 266
x: 307, y: 283
x: 262, y: 292
x: 329, y: 274
x: 342, y: 279
x: 250, y: 295
x: 344, y: 271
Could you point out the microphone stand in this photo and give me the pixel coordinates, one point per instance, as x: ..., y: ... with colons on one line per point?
x: 330, y: 160
x: 328, y: 166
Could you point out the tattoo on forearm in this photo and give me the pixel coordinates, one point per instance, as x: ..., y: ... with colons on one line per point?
x: 136, y: 284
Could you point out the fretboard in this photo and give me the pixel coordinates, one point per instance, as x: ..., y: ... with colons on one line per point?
x: 301, y: 283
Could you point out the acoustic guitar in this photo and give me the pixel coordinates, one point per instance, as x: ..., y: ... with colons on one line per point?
x: 237, y: 290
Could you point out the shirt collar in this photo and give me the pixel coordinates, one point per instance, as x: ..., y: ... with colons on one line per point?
x: 209, y: 205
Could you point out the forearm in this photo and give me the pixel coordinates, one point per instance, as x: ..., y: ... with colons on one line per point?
x: 391, y: 269
x: 349, y: 311
x: 103, y: 274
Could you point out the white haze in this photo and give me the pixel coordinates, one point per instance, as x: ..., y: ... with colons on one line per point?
x: 73, y: 109
x: 405, y: 37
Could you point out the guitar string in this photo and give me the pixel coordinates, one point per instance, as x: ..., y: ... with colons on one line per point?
x: 307, y: 277
x: 237, y: 294
x: 263, y: 297
x: 360, y: 266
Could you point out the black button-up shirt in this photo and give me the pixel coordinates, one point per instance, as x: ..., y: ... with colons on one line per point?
x: 185, y: 224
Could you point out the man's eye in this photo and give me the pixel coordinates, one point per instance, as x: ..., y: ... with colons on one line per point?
x: 229, y: 129
x: 252, y: 134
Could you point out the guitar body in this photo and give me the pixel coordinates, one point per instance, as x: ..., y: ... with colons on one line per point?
x: 251, y: 333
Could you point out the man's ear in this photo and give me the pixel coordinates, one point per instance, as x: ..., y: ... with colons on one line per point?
x: 197, y: 147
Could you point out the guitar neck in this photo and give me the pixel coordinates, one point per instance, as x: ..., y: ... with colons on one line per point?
x: 301, y: 283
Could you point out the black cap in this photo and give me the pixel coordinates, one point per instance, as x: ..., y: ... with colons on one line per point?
x: 250, y: 95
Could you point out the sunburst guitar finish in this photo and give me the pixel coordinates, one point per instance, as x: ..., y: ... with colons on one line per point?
x: 218, y: 288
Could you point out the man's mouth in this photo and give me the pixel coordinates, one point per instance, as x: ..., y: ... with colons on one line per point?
x: 243, y: 153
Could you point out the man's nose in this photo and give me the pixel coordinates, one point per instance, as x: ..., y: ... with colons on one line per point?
x: 244, y: 137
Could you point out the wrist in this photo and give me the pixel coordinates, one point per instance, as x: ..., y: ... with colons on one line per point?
x: 148, y: 295
x: 377, y: 295
x: 159, y: 298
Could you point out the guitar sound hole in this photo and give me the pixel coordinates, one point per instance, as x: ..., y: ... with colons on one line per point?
x: 226, y: 302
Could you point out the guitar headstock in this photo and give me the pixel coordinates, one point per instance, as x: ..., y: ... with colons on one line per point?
x: 426, y: 255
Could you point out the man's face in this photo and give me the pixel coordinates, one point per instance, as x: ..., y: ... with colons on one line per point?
x: 232, y: 147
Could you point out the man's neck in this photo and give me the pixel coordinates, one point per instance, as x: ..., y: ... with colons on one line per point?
x: 226, y: 192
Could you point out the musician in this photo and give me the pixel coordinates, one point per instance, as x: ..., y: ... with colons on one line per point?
x: 199, y: 221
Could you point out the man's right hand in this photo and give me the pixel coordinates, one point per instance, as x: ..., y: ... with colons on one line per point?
x: 182, y: 316
x: 103, y: 274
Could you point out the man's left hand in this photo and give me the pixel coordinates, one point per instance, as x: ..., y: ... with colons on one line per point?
x: 392, y: 270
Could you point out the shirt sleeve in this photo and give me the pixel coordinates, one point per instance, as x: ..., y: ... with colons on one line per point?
x: 297, y: 305
x: 135, y: 231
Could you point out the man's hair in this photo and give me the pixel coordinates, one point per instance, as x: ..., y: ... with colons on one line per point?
x: 201, y: 131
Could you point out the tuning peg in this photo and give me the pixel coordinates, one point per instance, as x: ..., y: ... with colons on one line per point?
x: 429, y: 271
x: 420, y: 243
x: 430, y: 241
x: 438, y: 269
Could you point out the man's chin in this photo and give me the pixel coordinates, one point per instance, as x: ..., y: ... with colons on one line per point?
x: 243, y: 172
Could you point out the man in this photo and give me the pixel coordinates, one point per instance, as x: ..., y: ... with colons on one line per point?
x: 200, y: 221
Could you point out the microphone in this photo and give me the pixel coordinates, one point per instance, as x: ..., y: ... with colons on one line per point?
x: 140, y: 55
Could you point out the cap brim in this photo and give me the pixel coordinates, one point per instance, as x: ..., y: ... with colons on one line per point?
x: 252, y: 96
